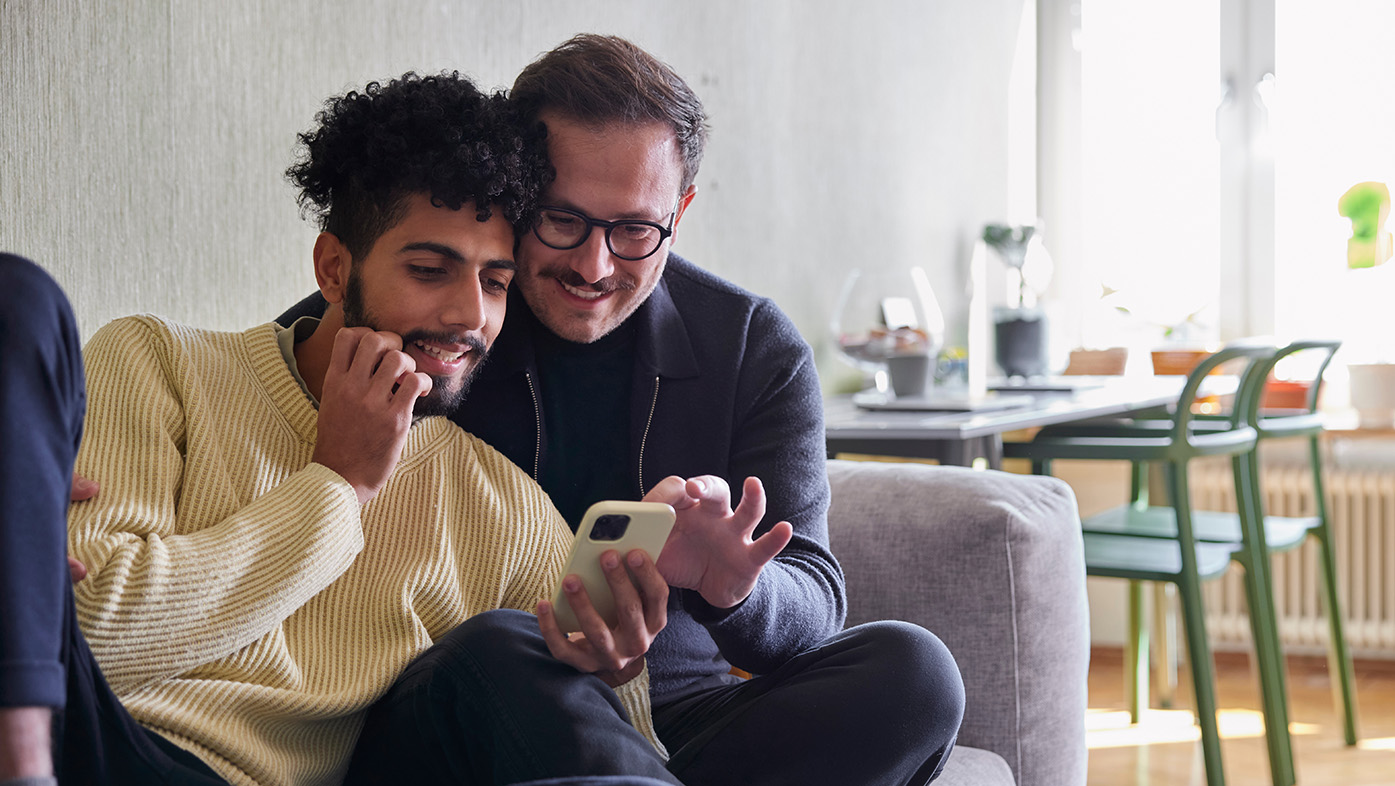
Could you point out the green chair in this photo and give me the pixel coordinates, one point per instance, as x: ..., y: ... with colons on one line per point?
x: 1307, y: 423
x: 1141, y: 542
x: 1282, y: 533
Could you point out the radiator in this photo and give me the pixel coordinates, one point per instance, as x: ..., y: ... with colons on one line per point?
x: 1361, y: 505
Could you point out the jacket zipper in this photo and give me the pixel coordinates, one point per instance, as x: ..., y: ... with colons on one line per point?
x: 537, y: 418
x: 644, y: 440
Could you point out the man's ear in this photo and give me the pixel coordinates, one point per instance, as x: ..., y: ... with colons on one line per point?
x: 332, y: 266
x: 683, y: 203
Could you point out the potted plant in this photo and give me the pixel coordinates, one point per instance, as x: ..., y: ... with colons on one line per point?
x: 1019, y: 327
x: 1177, y: 345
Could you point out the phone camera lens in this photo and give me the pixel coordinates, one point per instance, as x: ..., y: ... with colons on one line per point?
x: 611, y: 526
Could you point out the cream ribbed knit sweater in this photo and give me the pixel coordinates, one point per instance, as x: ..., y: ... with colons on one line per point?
x: 239, y: 600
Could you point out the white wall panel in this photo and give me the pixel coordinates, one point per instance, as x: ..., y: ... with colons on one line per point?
x: 142, y: 143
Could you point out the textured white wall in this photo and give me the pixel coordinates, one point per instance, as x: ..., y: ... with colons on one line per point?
x: 142, y: 142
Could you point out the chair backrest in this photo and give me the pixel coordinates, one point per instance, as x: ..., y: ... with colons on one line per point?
x: 1251, y: 355
x: 1292, y: 422
x: 1327, y: 348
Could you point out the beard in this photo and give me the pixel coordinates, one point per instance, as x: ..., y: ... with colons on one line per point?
x: 446, y: 393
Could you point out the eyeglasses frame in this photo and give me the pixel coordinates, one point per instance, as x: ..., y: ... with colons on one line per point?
x: 609, y: 226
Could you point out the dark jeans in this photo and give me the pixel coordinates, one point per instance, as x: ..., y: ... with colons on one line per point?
x: 488, y: 704
x: 44, y: 660
x: 877, y: 704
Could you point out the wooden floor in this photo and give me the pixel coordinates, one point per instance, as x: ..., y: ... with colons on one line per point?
x: 1164, y: 748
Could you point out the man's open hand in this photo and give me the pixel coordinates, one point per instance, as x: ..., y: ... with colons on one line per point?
x: 366, y: 407
x: 711, y: 549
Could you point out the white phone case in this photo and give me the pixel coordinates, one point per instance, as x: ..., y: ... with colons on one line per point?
x: 647, y: 527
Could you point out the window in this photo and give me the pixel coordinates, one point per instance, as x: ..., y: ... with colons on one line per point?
x: 1334, y: 127
x: 1192, y: 156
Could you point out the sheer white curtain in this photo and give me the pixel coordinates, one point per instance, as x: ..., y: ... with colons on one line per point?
x: 1334, y: 127
x: 1192, y: 154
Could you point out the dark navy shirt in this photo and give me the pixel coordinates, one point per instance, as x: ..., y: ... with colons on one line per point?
x: 585, y: 392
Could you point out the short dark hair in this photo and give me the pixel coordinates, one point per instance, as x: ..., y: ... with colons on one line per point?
x: 599, y: 80
x: 436, y: 134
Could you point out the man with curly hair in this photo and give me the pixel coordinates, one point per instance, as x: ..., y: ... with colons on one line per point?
x: 622, y: 363
x: 283, y: 531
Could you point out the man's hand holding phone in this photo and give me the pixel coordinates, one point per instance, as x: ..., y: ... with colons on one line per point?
x: 611, y: 601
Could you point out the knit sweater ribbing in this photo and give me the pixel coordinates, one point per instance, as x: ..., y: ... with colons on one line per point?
x: 239, y: 601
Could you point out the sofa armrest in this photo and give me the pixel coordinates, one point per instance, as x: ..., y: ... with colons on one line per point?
x: 991, y: 563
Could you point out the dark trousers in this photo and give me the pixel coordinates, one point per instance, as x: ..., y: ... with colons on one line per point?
x: 488, y: 704
x: 44, y: 660
x: 877, y: 704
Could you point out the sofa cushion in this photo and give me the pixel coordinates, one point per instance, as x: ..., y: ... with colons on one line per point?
x: 992, y: 563
x: 975, y: 767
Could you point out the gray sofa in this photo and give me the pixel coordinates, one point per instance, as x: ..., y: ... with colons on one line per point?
x: 991, y: 562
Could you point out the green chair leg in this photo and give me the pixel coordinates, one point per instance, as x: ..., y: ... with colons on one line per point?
x: 1138, y: 484
x: 1194, y: 620
x: 1141, y: 660
x: 1269, y: 656
x: 1203, y: 676
x: 1338, y: 654
x: 1136, y: 655
x: 1165, y: 667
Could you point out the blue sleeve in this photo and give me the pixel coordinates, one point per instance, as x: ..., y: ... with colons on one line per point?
x: 41, y: 408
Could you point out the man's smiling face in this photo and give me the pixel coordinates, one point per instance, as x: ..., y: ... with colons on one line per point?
x: 439, y: 278
x: 609, y: 173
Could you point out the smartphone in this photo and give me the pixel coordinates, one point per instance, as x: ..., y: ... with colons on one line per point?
x: 623, y: 526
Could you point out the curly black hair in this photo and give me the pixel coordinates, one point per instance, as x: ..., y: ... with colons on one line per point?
x: 372, y: 150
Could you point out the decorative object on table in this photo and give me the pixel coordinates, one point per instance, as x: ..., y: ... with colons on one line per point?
x: 952, y: 368
x: 1019, y: 327
x: 1373, y: 394
x: 909, y: 373
x: 1178, y: 362
x: 889, y: 324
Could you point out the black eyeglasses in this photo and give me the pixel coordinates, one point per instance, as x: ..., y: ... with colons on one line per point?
x: 631, y: 239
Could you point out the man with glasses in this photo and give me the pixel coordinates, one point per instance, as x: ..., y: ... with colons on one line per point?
x: 622, y: 363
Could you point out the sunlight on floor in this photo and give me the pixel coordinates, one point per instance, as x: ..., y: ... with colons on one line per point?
x: 1378, y: 744
x: 1111, y: 728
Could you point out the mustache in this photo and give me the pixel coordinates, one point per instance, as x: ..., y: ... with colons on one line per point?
x: 573, y: 279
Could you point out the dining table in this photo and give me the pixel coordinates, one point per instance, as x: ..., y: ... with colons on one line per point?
x: 955, y: 428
